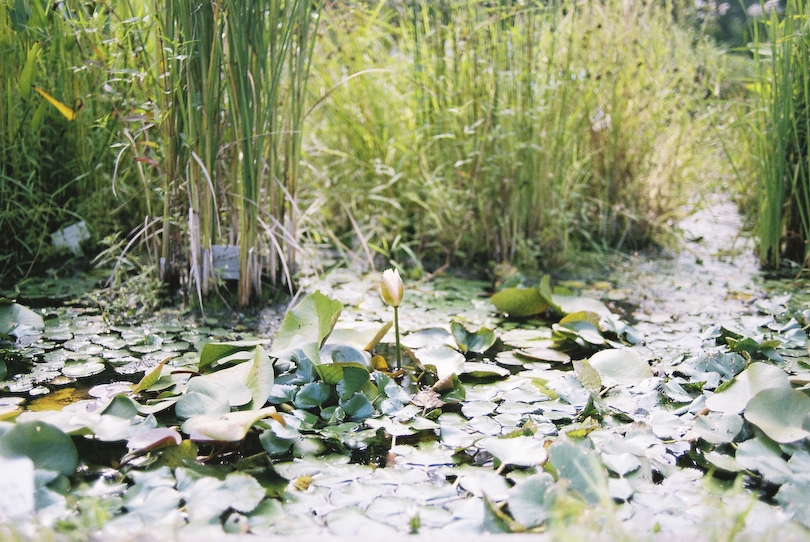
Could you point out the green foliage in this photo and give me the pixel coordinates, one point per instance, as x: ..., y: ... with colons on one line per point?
x: 54, y: 171
x: 781, y: 124
x: 508, y: 131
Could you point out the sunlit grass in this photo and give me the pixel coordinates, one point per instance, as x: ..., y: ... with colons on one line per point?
x: 516, y: 132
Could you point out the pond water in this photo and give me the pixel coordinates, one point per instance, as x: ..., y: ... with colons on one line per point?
x: 646, y: 443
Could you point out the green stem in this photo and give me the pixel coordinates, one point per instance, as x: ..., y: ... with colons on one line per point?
x: 396, y: 332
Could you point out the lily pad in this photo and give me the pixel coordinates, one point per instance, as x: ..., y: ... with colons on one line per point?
x: 311, y: 321
x: 47, y: 446
x: 733, y: 397
x: 531, y: 500
x: 780, y: 413
x: 521, y: 302
x: 582, y: 470
x: 517, y: 451
x: 484, y: 370
x: 479, y: 341
x: 626, y: 367
x: 226, y: 428
x: 446, y: 360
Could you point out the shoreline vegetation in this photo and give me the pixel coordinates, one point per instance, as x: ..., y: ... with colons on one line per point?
x: 413, y: 134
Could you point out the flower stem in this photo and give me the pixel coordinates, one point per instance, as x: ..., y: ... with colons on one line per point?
x: 396, y: 332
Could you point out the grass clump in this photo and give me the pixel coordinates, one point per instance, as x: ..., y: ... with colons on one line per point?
x: 522, y: 132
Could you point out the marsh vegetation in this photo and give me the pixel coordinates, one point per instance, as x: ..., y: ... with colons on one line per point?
x: 197, y: 199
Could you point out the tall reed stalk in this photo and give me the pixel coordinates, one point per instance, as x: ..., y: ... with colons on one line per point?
x: 233, y: 131
x: 782, y: 129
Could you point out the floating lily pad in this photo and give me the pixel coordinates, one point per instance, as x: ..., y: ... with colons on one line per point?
x: 79, y: 370
x: 428, y: 337
x: 484, y: 370
x: 48, y: 447
x: 517, y: 451
x: 582, y: 470
x: 626, y: 367
x: 733, y: 397
x: 445, y: 359
x: 545, y: 354
x: 780, y: 413
x: 479, y: 341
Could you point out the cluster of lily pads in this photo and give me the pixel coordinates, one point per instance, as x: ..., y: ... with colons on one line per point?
x: 555, y: 414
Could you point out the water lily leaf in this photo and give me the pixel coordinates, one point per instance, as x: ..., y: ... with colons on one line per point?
x: 260, y: 377
x: 579, y: 329
x: 484, y: 370
x: 229, y: 427
x: 582, y: 470
x: 627, y: 367
x: 358, y: 407
x: 332, y: 373
x: 446, y: 360
x: 517, y: 451
x: 353, y: 379
x: 79, y: 370
x: 479, y: 341
x: 734, y: 396
x: 764, y: 456
x: 362, y: 336
x: 312, y: 395
x: 779, y: 413
x: 152, y: 439
x: 246, y: 492
x: 310, y: 321
x: 545, y: 354
x: 722, y: 461
x: 345, y: 353
x: 588, y: 376
x: 718, y: 428
x: 217, y: 355
x: 428, y: 337
x: 225, y: 385
x: 14, y: 315
x: 570, y: 304
x: 121, y: 406
x: 622, y: 463
x: 520, y: 302
x: 581, y: 316
x: 193, y: 403
x: 531, y: 500
x: 795, y: 498
x: 151, y: 378
x: 47, y: 446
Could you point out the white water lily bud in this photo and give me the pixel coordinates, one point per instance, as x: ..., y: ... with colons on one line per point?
x: 392, y: 287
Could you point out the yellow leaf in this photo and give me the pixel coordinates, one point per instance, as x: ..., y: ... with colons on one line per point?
x: 65, y: 110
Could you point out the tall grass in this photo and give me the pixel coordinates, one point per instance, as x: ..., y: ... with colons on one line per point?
x: 508, y: 131
x: 235, y: 80
x: 54, y: 170
x: 782, y: 128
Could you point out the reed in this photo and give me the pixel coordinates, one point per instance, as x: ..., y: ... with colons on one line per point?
x: 235, y: 83
x: 781, y: 124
